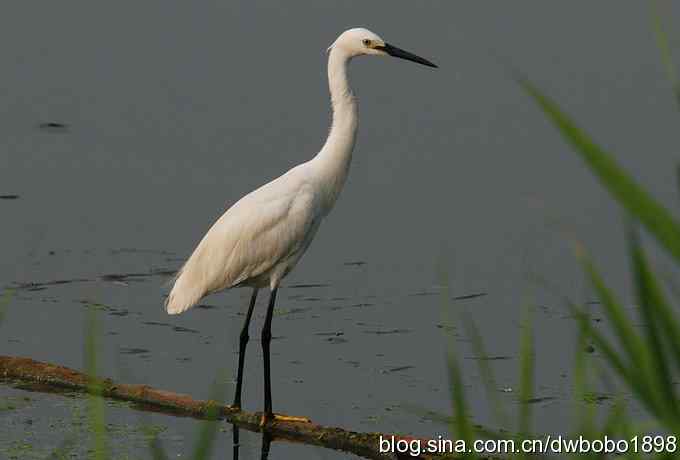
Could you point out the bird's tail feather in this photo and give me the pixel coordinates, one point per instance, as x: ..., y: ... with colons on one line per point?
x: 183, y: 295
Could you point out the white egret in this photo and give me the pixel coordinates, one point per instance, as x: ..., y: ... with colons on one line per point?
x: 259, y: 240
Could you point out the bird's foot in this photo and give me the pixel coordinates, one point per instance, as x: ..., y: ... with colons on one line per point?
x: 267, y: 418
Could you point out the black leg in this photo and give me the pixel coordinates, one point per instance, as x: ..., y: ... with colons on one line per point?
x: 237, y: 446
x: 243, y: 341
x: 266, y: 340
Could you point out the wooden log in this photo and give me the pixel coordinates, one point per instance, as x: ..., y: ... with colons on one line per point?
x: 58, y: 377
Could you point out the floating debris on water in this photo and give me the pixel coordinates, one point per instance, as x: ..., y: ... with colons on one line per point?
x: 113, y: 311
x: 357, y: 263
x: 53, y: 127
x: 423, y: 293
x: 488, y: 358
x: 120, y: 278
x: 387, y: 331
x: 396, y: 369
x: 596, y: 397
x: 156, y: 323
x: 123, y: 277
x: 9, y: 197
x: 172, y: 326
x: 140, y: 251
x: 164, y: 272
x: 336, y: 340
x: 134, y: 351
x: 290, y: 311
x: 309, y: 285
x: 10, y: 403
x: 540, y: 399
x: 32, y: 284
x: 470, y: 296
x: 342, y: 307
x: 336, y: 334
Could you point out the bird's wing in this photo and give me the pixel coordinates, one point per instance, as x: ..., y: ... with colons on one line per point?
x: 264, y: 228
x: 274, y: 231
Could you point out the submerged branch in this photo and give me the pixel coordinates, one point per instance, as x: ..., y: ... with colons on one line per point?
x: 55, y: 377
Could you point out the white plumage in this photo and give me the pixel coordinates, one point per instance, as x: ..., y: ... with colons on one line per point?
x: 258, y: 241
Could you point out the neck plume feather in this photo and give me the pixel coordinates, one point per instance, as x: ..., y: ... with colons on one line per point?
x: 334, y: 159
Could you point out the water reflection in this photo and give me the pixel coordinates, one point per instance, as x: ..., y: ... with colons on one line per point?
x: 264, y: 451
x: 266, y: 443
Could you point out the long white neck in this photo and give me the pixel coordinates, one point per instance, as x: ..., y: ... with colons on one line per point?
x: 332, y: 162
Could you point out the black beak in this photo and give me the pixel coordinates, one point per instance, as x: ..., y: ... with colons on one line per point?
x: 400, y: 53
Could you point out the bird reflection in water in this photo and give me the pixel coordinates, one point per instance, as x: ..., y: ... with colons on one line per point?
x: 264, y: 451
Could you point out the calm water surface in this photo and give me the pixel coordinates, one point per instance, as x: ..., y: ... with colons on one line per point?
x: 173, y: 110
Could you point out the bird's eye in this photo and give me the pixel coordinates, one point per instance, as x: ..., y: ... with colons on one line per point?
x: 366, y: 42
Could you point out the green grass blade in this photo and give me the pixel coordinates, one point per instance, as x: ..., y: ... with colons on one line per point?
x: 155, y: 445
x: 624, y: 331
x: 96, y: 407
x: 64, y: 449
x: 615, y: 417
x: 609, y: 354
x: 526, y: 382
x: 663, y: 43
x: 6, y: 298
x: 617, y: 425
x: 584, y: 407
x: 641, y: 370
x: 664, y: 315
x: 480, y: 431
x: 644, y: 390
x: 157, y: 450
x: 490, y: 387
x: 677, y: 177
x: 461, y: 426
x: 208, y: 428
x: 654, y: 312
x: 628, y: 337
x: 207, y: 434
x: 656, y: 218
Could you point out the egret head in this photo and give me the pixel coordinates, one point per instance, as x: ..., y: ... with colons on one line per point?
x: 360, y: 41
